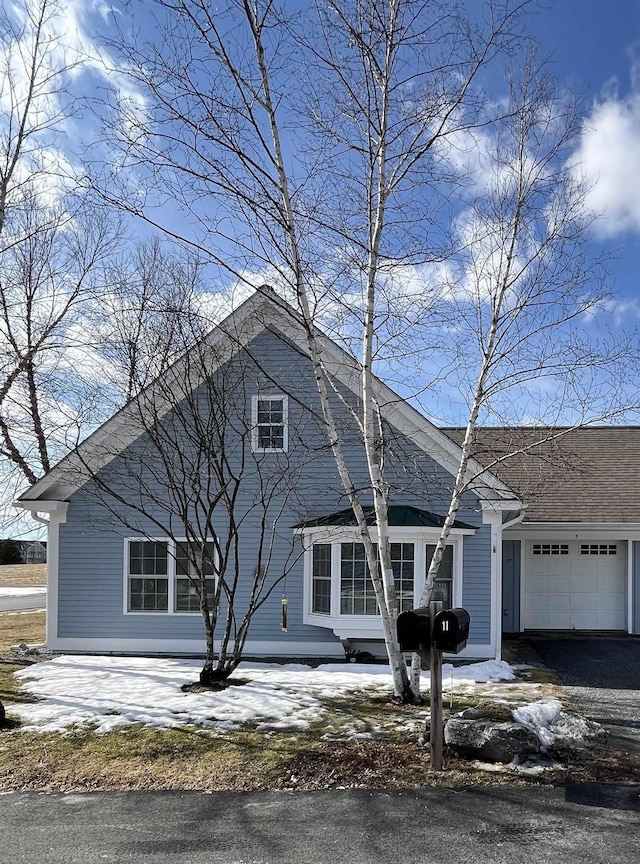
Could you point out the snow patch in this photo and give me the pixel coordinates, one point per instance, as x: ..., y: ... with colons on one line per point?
x: 108, y: 693
x: 553, y: 724
x: 33, y: 591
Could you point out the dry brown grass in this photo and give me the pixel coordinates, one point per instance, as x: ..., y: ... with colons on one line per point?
x: 240, y: 761
x: 17, y: 627
x: 137, y: 758
x: 22, y: 575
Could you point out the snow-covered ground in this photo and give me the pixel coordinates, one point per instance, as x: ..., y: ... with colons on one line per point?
x: 32, y: 591
x: 111, y: 692
x: 32, y: 597
x: 106, y: 693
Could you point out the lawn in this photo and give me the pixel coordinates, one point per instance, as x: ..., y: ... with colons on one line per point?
x: 17, y: 627
x: 286, y: 728
x: 337, y: 736
x: 22, y: 575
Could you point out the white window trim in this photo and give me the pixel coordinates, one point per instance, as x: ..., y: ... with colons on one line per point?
x: 254, y: 423
x: 370, y: 626
x: 172, y: 576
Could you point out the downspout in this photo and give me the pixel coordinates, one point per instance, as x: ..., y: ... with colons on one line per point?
x: 34, y: 515
x: 510, y: 524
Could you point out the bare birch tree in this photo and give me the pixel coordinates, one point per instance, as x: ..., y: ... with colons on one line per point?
x: 309, y: 150
x: 54, y: 243
x: 525, y: 288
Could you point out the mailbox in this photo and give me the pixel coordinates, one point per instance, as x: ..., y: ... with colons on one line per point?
x: 451, y: 630
x: 414, y: 629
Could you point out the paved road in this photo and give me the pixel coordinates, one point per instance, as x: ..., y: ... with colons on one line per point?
x: 507, y: 826
x: 602, y: 677
x: 15, y: 599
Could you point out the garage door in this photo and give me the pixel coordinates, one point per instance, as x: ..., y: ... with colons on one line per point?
x: 575, y: 586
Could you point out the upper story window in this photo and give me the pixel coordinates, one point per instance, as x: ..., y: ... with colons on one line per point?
x: 270, y: 432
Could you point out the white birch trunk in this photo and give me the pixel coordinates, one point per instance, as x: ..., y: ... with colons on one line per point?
x: 382, y: 577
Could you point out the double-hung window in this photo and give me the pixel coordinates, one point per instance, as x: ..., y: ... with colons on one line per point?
x: 443, y: 585
x: 403, y: 564
x: 164, y: 576
x: 270, y: 433
x: 148, y: 576
x: 357, y: 596
x: 193, y: 562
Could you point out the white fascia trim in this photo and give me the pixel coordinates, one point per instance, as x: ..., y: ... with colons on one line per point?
x: 280, y: 648
x: 35, y: 507
x: 261, y: 310
x: 575, y: 530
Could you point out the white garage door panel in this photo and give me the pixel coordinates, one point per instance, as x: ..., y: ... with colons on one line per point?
x: 575, y: 591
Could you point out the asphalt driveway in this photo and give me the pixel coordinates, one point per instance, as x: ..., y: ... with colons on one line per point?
x: 602, y: 676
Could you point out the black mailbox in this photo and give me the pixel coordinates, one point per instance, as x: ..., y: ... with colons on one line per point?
x: 451, y: 630
x: 414, y: 629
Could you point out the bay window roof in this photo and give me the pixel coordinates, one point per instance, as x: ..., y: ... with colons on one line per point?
x: 399, y: 515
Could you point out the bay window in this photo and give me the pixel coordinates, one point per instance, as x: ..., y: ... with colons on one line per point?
x: 443, y: 586
x: 339, y: 586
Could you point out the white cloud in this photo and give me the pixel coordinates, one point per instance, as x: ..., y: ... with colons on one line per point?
x: 69, y: 60
x: 608, y: 157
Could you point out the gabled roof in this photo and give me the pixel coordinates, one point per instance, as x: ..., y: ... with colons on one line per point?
x: 263, y: 310
x: 399, y: 515
x: 590, y: 474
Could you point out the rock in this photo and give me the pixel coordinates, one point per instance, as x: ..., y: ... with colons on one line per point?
x: 2, y: 715
x: 490, y: 741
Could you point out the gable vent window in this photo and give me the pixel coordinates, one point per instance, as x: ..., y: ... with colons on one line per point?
x: 550, y: 548
x: 598, y: 549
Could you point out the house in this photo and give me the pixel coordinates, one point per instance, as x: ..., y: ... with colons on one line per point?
x: 118, y: 585
x: 30, y: 551
x: 33, y: 551
x: 573, y: 560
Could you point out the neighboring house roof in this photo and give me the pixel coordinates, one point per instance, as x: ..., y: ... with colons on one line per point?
x: 399, y: 515
x: 264, y: 310
x: 590, y: 474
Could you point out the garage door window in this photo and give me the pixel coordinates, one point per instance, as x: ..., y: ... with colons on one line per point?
x: 598, y: 549
x: 550, y: 549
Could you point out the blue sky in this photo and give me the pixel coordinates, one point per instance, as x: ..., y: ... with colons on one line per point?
x: 593, y: 47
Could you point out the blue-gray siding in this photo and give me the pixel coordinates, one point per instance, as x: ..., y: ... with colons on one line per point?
x: 511, y: 586
x: 636, y: 588
x: 91, y: 573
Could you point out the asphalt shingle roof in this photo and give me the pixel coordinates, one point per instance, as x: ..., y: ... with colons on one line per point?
x: 590, y: 474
